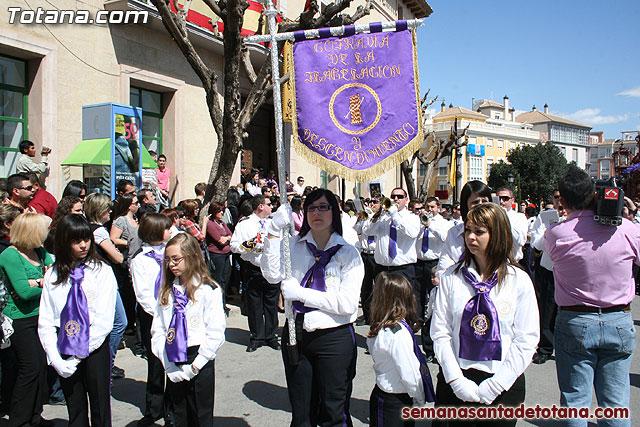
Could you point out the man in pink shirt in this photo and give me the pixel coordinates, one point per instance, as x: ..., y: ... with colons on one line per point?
x: 593, y: 271
x: 164, y: 173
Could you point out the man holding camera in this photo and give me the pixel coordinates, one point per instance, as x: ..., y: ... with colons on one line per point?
x: 26, y: 163
x: 594, y: 333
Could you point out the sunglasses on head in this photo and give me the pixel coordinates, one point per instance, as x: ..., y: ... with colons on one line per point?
x: 398, y: 196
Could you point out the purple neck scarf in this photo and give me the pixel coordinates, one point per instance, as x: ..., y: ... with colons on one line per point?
x: 73, y: 337
x: 371, y: 239
x: 393, y: 237
x: 425, y: 240
x: 176, y: 346
x: 427, y: 383
x: 314, y: 279
x: 479, y: 328
x: 158, y: 257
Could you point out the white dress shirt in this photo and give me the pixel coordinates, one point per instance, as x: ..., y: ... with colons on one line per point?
x: 343, y: 278
x: 245, y: 230
x: 205, y: 325
x: 438, y: 229
x: 363, y: 241
x: 515, y: 302
x: 454, y: 221
x: 537, y: 241
x: 144, y: 271
x: 396, y: 365
x: 348, y: 233
x: 253, y: 189
x: 408, y: 228
x: 452, y: 249
x: 99, y: 286
x: 298, y: 189
x: 519, y: 230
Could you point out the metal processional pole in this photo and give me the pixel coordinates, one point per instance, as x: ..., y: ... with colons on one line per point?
x: 271, y: 13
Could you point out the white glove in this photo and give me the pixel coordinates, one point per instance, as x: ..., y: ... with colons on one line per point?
x: 465, y: 389
x: 292, y: 290
x: 176, y: 375
x: 188, y: 372
x: 488, y: 390
x: 281, y: 219
x: 393, y: 210
x: 65, y: 368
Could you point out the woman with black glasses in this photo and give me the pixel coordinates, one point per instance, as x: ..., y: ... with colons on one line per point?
x: 325, y: 285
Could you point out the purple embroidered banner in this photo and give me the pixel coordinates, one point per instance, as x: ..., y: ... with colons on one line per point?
x: 357, y: 102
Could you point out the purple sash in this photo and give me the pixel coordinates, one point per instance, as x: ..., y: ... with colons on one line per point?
x: 73, y: 337
x: 176, y: 346
x: 314, y: 279
x: 158, y: 257
x: 393, y: 238
x: 427, y: 383
x: 479, y: 328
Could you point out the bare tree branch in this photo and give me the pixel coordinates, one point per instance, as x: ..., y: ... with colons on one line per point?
x: 215, y: 8
x: 247, y: 65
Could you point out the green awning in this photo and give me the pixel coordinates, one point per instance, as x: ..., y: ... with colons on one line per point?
x: 98, y: 152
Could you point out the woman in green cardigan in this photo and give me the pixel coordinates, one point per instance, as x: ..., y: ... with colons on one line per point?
x: 23, y: 266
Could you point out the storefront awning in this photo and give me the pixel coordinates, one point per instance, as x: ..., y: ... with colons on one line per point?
x: 98, y: 152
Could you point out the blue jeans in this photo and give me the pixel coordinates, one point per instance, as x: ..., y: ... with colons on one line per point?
x: 593, y: 348
x: 119, y: 325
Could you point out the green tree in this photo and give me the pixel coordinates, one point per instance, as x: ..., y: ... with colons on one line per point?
x: 536, y: 170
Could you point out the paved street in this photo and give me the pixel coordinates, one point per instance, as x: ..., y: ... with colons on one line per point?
x: 250, y: 388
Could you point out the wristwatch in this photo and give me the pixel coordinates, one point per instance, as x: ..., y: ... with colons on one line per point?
x: 194, y: 370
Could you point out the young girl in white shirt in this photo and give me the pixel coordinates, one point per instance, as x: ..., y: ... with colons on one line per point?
x: 187, y: 331
x: 77, y: 308
x: 485, y: 320
x: 402, y: 375
x: 146, y: 274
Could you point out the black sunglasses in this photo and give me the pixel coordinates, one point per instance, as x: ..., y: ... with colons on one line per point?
x: 505, y: 198
x: 556, y: 196
x: 398, y: 196
x: 28, y: 188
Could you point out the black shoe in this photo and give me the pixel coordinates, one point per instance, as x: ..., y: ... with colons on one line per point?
x: 146, y: 421
x: 117, y: 373
x: 274, y: 344
x: 361, y: 321
x: 540, y: 358
x: 60, y: 402
x: 253, y: 346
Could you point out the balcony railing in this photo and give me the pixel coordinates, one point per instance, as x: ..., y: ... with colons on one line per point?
x: 485, y: 128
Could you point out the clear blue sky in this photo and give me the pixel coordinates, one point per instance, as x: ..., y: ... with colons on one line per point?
x: 580, y: 57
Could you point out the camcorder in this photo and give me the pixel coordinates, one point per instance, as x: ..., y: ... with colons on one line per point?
x: 609, y: 202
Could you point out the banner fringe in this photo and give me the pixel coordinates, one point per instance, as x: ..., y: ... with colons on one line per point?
x: 374, y: 172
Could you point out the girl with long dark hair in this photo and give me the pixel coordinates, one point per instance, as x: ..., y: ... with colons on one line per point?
x: 76, y: 317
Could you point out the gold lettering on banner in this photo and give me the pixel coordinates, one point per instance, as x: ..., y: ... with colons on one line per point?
x: 348, y: 43
x: 350, y: 74
x: 359, y: 156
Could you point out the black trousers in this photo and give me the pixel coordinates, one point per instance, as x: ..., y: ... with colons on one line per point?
x: 423, y: 276
x: 509, y: 398
x: 125, y: 288
x: 192, y: 401
x: 30, y: 391
x: 155, y: 397
x: 320, y: 385
x: 409, y: 271
x: 547, y: 307
x: 370, y: 268
x: 220, y: 269
x: 262, y: 306
x: 385, y: 409
x: 93, y: 378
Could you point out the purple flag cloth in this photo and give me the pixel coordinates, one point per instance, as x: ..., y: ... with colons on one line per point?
x: 176, y: 345
x: 73, y: 337
x: 393, y: 237
x: 427, y: 383
x: 314, y: 278
x: 425, y: 240
x: 158, y: 257
x: 356, y: 101
x: 480, y: 329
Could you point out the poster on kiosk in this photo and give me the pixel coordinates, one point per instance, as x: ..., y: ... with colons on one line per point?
x: 111, y: 147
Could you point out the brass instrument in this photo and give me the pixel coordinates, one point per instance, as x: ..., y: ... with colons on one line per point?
x: 385, y: 205
x: 363, y: 215
x: 425, y: 218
